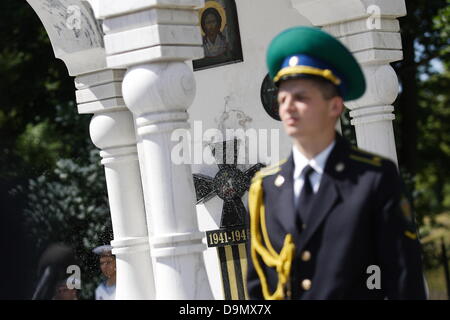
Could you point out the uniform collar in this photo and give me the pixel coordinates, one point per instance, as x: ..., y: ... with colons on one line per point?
x: 317, y: 163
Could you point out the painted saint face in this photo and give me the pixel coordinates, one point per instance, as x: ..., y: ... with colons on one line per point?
x: 211, y: 26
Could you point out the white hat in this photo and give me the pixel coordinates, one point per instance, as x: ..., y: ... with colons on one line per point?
x: 102, y: 249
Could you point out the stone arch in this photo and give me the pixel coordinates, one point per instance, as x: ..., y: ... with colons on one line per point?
x: 75, y: 34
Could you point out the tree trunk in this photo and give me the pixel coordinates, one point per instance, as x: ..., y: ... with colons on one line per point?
x: 408, y: 106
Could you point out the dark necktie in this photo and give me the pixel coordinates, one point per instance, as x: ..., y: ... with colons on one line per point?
x: 306, y: 195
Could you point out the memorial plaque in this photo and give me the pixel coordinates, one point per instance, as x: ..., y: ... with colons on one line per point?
x: 229, y: 184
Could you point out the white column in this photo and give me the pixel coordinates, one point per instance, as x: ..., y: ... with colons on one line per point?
x: 153, y: 39
x: 77, y: 39
x: 370, y: 30
x: 372, y: 114
x: 112, y: 130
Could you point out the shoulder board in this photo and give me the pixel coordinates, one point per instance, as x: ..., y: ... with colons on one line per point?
x: 366, y: 157
x: 268, y: 171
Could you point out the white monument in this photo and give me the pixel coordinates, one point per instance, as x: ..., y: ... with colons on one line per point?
x: 133, y: 66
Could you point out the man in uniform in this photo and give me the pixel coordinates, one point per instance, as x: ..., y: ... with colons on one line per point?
x: 330, y: 222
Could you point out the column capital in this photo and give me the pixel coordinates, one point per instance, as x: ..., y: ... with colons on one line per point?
x: 381, y: 87
x: 100, y: 91
x: 145, y: 31
x: 110, y: 8
x: 327, y: 12
x: 159, y: 88
x: 370, y: 42
x: 368, y: 28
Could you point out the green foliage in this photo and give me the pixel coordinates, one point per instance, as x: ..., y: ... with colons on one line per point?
x: 441, y: 22
x: 39, y: 125
x: 435, y: 238
x: 432, y: 185
x: 70, y: 205
x: 426, y: 23
x: 35, y: 90
x: 434, y: 231
x: 422, y: 114
x: 38, y: 145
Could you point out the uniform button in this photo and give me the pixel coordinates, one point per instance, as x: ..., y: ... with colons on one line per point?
x: 306, y: 284
x: 303, y: 226
x: 306, y: 255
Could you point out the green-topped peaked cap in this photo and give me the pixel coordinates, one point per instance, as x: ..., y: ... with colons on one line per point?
x: 307, y: 50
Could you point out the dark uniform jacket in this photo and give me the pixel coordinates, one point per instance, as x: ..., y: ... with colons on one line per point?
x: 357, y: 219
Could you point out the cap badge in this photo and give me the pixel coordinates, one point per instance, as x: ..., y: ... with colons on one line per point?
x: 293, y: 61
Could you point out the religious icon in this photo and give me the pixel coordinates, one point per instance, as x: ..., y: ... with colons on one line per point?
x: 220, y: 32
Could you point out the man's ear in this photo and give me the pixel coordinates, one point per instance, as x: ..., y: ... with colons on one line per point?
x: 336, y: 106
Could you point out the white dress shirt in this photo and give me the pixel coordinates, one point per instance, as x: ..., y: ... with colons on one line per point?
x: 105, y: 292
x: 317, y: 163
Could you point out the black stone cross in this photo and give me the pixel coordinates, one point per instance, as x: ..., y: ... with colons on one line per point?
x: 230, y: 184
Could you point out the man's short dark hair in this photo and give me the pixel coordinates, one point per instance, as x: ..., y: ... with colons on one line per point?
x: 327, y: 88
